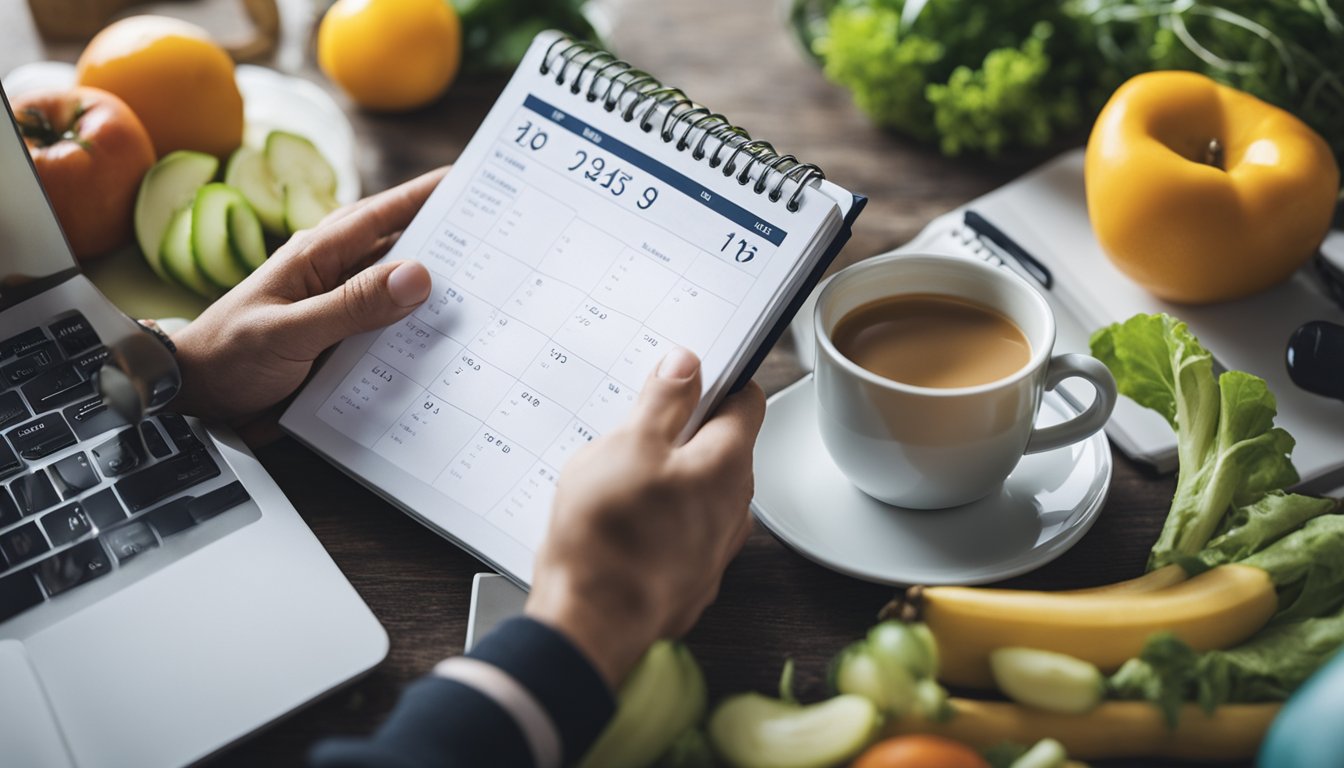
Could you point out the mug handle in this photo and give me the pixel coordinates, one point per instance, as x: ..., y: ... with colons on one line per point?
x: 1085, y: 424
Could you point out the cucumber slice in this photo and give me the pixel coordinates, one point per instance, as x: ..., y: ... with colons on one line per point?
x: 294, y: 161
x: 754, y: 731
x: 305, y: 207
x: 168, y: 187
x: 662, y: 698
x: 226, y: 237
x: 177, y: 259
x: 1051, y: 681
x: 250, y: 174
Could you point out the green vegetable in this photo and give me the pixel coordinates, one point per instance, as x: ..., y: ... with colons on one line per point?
x: 690, y: 750
x: 987, y: 77
x: 1268, y: 667
x: 496, y: 33
x: 1054, y: 682
x: 1307, y: 568
x: 1229, y: 451
x: 894, y: 667
x: 1253, y: 527
x: 661, y: 699
x: 1047, y: 753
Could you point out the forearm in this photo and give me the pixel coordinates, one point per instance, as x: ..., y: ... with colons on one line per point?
x: 524, y: 696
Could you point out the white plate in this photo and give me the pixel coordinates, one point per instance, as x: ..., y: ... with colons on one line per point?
x: 271, y: 101
x: 1049, y: 501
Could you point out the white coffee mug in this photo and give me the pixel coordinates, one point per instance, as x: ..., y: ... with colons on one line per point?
x: 928, y: 447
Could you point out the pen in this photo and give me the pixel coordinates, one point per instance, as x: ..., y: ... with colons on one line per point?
x: 980, y: 226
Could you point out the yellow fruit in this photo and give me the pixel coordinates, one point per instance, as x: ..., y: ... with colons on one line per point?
x: 176, y: 79
x: 1152, y: 581
x: 1113, y: 729
x: 390, y: 55
x: 1216, y: 609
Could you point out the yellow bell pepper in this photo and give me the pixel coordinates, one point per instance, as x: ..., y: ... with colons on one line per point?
x: 1202, y: 193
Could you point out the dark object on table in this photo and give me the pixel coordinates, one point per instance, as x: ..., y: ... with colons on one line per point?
x: 1315, y: 358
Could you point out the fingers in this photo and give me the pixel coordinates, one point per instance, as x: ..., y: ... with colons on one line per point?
x: 347, y: 236
x: 374, y: 298
x: 669, y: 396
x: 731, y: 431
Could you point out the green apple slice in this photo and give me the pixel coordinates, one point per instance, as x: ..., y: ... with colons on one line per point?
x: 176, y: 257
x: 754, y: 731
x: 226, y: 238
x: 294, y: 161
x: 249, y: 172
x: 660, y: 700
x: 305, y: 207
x: 168, y: 187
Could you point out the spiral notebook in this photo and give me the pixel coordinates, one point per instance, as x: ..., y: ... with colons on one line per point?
x: 595, y: 221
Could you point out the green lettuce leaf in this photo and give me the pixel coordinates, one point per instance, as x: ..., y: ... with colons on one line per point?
x: 1307, y: 568
x: 1253, y: 527
x: 1229, y: 451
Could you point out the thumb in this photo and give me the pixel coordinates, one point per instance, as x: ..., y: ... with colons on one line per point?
x: 669, y: 396
x: 373, y: 298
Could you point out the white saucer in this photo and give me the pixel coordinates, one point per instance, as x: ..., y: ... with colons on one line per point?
x: 1049, y: 501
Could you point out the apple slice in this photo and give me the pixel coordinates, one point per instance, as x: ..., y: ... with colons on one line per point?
x: 249, y: 172
x: 305, y: 207
x: 168, y: 187
x: 176, y: 258
x: 294, y: 161
x: 226, y: 238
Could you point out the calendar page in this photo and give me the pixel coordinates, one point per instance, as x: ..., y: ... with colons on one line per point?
x: 570, y: 250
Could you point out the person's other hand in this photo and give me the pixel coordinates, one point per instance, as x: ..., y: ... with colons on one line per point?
x: 254, y: 347
x: 642, y: 528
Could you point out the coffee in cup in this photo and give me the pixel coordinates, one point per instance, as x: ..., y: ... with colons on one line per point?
x: 930, y: 372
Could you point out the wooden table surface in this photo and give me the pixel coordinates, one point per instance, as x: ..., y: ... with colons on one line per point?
x: 737, y: 57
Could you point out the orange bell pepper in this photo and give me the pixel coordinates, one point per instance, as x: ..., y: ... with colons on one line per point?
x: 1202, y: 193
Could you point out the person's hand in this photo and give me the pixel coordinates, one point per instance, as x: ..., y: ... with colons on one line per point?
x: 642, y: 528
x: 254, y: 347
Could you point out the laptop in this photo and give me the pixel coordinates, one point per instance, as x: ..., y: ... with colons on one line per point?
x: 159, y: 597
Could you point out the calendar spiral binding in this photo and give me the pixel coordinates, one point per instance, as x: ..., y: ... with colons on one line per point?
x: 613, y: 80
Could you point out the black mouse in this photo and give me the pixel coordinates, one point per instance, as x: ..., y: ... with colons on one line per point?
x: 1315, y: 358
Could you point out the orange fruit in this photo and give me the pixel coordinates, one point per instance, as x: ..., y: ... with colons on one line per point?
x: 175, y: 78
x: 390, y: 55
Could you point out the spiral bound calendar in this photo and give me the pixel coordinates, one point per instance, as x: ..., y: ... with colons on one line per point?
x: 596, y: 220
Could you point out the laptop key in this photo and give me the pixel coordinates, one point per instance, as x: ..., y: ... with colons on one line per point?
x: 127, y: 541
x: 154, y: 440
x: 18, y: 593
x: 12, y: 409
x: 74, y: 334
x: 59, y: 386
x: 92, y: 417
x: 33, y: 493
x: 39, y: 359
x: 90, y: 361
x: 66, y: 524
x: 73, y: 475
x: 9, y: 511
x: 72, y: 567
x: 41, y: 437
x: 9, y: 461
x: 104, y: 509
x: 168, y: 477
x: 23, y: 343
x: 119, y: 455
x: 180, y: 431
x: 22, y: 543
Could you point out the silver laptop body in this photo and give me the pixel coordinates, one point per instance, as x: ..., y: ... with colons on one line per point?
x: 159, y: 596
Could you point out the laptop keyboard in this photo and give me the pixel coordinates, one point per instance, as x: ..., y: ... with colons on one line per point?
x: 70, y: 517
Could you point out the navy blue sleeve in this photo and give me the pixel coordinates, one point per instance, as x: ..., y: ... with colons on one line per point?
x: 444, y: 722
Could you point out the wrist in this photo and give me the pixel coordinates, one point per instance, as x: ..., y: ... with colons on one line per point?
x: 610, y: 629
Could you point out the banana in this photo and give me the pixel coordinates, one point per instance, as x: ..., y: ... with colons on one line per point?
x: 1166, y: 576
x: 1216, y: 609
x: 1114, y: 729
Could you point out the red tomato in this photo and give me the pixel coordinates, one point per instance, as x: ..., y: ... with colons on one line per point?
x: 920, y: 752
x: 90, y: 151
